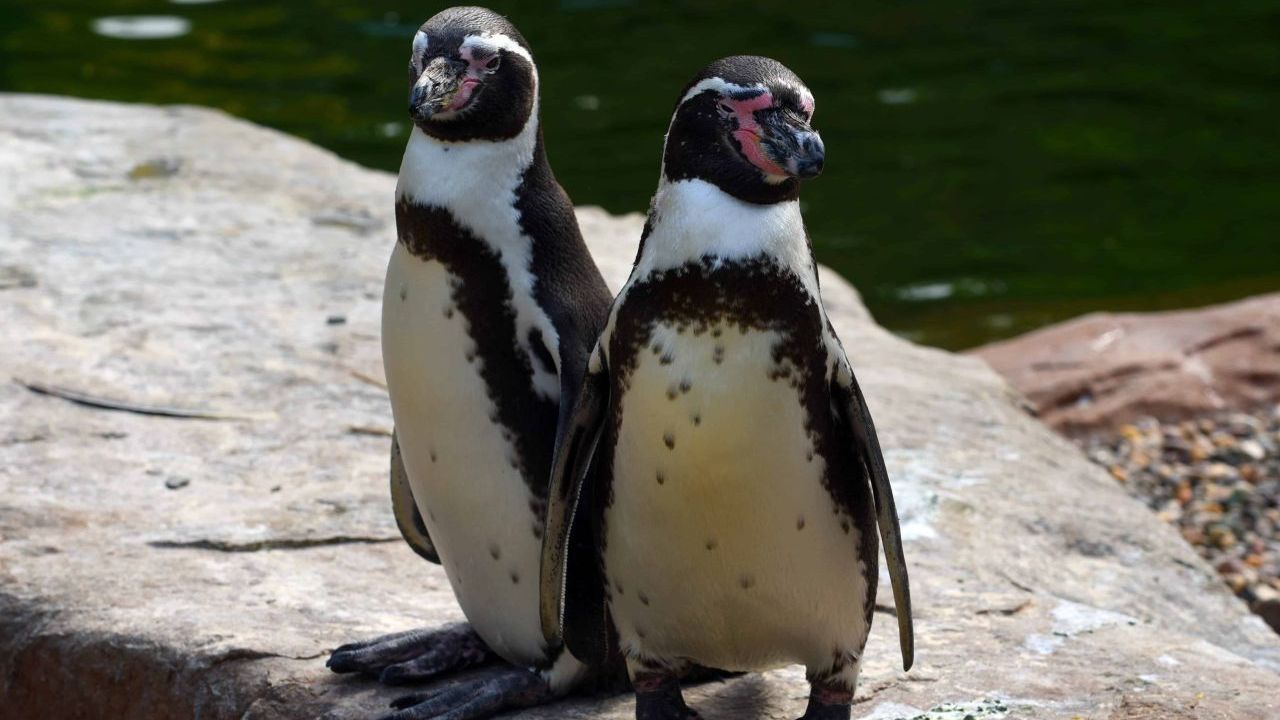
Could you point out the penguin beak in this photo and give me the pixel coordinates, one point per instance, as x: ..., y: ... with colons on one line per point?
x: 791, y: 145
x: 443, y: 88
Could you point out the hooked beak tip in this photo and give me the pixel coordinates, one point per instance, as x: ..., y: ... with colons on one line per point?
x: 810, y: 156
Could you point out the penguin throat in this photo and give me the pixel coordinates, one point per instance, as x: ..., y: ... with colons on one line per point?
x: 694, y: 218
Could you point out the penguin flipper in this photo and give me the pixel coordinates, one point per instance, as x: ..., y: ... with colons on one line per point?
x: 849, y: 397
x: 568, y: 546
x: 408, y: 519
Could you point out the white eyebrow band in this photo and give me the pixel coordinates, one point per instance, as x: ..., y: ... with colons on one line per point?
x: 420, y: 41
x: 495, y: 42
x: 720, y: 85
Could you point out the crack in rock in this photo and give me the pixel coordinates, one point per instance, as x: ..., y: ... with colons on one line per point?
x: 278, y: 544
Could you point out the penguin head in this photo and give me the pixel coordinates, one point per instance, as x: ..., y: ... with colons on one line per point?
x: 742, y: 124
x: 471, y: 77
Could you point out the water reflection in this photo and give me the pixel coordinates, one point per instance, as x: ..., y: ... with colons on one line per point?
x: 142, y: 27
x: 1062, y: 157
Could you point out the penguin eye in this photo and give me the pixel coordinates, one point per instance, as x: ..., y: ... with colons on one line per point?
x: 724, y: 109
x: 493, y: 63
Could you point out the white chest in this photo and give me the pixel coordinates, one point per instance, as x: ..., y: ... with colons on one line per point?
x: 460, y: 462
x: 723, y: 545
x: 477, y: 182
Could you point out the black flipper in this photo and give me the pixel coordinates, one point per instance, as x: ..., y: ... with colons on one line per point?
x: 575, y: 617
x: 408, y: 519
x: 849, y: 399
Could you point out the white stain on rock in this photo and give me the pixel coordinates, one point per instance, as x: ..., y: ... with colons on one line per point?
x: 1071, y: 619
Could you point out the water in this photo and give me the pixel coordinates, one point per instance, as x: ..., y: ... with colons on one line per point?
x: 992, y: 165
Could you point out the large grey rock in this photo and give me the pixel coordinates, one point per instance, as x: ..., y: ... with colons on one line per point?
x: 160, y: 567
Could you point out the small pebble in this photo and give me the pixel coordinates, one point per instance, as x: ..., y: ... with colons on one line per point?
x: 1215, y: 478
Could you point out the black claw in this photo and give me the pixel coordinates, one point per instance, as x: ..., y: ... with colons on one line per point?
x: 413, y: 655
x: 476, y: 698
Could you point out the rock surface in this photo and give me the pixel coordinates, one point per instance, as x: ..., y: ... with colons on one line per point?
x: 168, y: 567
x: 1102, y: 371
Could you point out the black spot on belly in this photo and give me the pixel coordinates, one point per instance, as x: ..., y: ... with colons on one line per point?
x: 662, y: 479
x: 481, y: 293
x: 404, y: 293
x: 617, y: 585
x: 644, y: 599
x: 696, y: 420
x: 712, y: 544
x: 665, y: 359
x: 844, y: 525
x: 686, y: 385
x: 672, y: 391
x: 495, y: 552
x: 433, y: 455
x: 515, y: 578
x: 448, y: 312
x: 746, y: 582
x: 669, y: 440
x: 755, y: 294
x: 640, y: 632
x: 800, y: 523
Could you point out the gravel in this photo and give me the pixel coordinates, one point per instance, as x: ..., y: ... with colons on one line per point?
x: 1217, y: 479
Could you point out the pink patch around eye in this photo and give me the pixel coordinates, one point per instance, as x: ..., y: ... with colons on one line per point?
x: 745, y: 110
x: 746, y: 134
x: 750, y: 144
x: 463, y: 96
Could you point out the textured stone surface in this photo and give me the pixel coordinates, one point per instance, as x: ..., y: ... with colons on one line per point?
x: 157, y: 567
x: 1100, y: 371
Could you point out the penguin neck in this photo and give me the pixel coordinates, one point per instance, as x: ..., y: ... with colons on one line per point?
x: 692, y: 219
x: 465, y: 178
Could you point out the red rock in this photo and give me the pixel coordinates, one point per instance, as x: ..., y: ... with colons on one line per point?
x: 1102, y: 371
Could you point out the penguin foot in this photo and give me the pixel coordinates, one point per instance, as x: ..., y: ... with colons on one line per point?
x: 658, y: 697
x: 414, y: 655
x: 829, y: 702
x: 476, y: 697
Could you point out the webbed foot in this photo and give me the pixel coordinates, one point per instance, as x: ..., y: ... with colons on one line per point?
x: 475, y: 698
x: 829, y: 701
x: 658, y: 697
x: 414, y: 655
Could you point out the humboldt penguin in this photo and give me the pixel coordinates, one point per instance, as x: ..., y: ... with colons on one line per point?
x: 721, y: 459
x: 490, y: 308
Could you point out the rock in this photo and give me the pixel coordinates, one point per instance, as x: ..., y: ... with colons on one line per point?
x: 1041, y: 589
x: 1098, y: 372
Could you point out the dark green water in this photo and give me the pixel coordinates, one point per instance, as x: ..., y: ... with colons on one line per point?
x: 992, y: 165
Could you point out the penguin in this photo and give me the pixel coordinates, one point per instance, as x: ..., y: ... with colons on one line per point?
x: 490, y: 308
x: 721, y: 460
